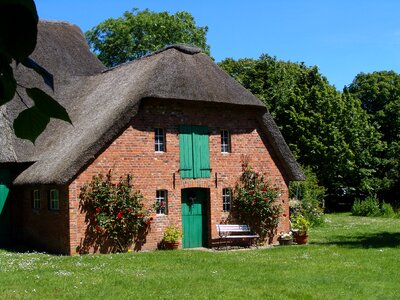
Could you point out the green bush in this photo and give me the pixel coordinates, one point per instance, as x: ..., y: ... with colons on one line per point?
x: 308, y: 198
x: 367, y: 208
x: 387, y: 211
x: 256, y: 202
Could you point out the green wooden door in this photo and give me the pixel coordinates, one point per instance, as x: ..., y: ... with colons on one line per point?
x: 4, y: 206
x: 194, y: 218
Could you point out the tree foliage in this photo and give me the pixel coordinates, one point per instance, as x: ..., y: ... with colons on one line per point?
x: 18, y: 33
x: 138, y: 33
x: 379, y: 93
x: 326, y: 130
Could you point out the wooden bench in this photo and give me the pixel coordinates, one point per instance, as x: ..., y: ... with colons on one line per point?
x: 235, y: 231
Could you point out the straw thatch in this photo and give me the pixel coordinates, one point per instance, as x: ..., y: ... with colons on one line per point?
x: 102, y: 103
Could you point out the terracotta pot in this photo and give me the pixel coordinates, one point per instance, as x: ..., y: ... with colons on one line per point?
x: 301, y: 239
x: 171, y: 245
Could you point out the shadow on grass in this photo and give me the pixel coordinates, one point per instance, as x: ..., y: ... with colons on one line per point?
x: 376, y: 240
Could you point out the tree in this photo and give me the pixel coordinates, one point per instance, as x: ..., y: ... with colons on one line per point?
x: 18, y: 32
x: 325, y: 129
x: 379, y: 93
x: 138, y: 33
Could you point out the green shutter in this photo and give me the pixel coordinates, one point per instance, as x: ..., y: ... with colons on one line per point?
x: 201, y: 152
x: 186, y: 152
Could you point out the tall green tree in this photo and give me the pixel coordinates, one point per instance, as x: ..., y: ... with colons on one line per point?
x: 379, y: 93
x: 326, y: 130
x: 138, y: 33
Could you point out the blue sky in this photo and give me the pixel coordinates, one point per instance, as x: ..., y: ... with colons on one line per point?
x: 341, y: 37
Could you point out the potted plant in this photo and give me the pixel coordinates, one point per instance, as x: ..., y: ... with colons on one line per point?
x: 172, y: 234
x: 285, y: 238
x: 300, y: 229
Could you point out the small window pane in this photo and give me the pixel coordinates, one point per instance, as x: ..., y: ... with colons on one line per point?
x: 36, y: 199
x: 54, y: 200
x: 226, y: 199
x: 225, y: 141
x: 161, y: 202
x: 159, y: 139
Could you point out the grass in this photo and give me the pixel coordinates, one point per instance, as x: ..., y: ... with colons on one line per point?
x: 348, y: 258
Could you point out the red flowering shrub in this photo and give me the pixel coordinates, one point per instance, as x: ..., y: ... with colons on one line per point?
x: 113, y: 211
x: 255, y: 202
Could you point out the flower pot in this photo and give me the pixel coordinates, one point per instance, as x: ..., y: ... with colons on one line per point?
x: 171, y: 245
x: 285, y: 242
x: 301, y: 239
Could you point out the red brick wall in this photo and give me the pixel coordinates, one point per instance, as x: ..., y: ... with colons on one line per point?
x: 42, y: 228
x: 133, y: 152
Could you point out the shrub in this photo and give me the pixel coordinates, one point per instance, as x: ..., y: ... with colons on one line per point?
x: 114, y: 212
x: 387, y: 211
x: 307, y: 198
x: 255, y: 202
x: 368, y: 207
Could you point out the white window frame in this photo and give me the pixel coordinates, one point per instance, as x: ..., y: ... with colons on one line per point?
x: 159, y: 140
x: 162, y: 195
x: 54, y: 199
x: 36, y: 199
x: 225, y: 141
x: 226, y: 199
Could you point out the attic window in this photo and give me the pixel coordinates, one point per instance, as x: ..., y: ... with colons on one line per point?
x: 159, y: 140
x: 225, y: 141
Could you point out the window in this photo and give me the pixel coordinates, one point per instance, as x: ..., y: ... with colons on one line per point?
x: 226, y: 199
x: 161, y: 202
x: 36, y: 199
x: 225, y: 141
x: 54, y: 202
x: 159, y: 139
x: 194, y: 152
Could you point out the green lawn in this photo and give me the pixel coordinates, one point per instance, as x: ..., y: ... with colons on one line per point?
x: 348, y: 258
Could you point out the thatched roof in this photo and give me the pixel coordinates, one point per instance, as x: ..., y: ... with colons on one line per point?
x: 102, y: 103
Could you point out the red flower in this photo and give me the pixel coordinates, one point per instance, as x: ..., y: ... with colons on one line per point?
x: 265, y: 200
x: 129, y: 209
x: 98, y: 228
x: 120, y: 214
x: 95, y: 222
x: 162, y: 203
x: 98, y: 209
x: 265, y: 189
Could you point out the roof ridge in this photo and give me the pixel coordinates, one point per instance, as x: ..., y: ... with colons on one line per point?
x: 184, y: 48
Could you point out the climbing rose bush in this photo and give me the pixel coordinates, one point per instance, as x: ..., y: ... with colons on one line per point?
x: 255, y: 202
x: 114, y: 211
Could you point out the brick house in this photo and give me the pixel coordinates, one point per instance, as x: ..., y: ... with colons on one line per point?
x: 173, y: 119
